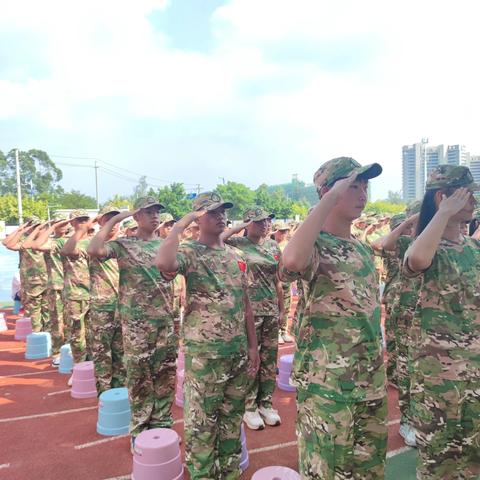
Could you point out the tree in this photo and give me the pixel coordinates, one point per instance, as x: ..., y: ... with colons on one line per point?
x: 239, y: 194
x: 38, y: 173
x: 9, y: 208
x: 120, y: 201
x: 74, y: 199
x: 141, y: 190
x: 395, y: 197
x: 175, y: 200
x: 382, y: 207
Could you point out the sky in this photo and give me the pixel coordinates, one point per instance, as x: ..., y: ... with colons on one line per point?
x: 252, y: 91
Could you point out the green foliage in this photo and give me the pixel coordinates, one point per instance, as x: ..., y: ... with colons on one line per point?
x: 119, y: 201
x: 395, y: 197
x: 384, y: 207
x: 38, y: 173
x: 9, y: 208
x: 239, y: 194
x: 141, y: 190
x: 175, y: 199
x: 74, y: 199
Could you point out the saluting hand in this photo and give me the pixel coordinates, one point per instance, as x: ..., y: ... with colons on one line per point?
x: 123, y: 215
x: 456, y: 202
x: 342, y: 185
x: 190, y: 217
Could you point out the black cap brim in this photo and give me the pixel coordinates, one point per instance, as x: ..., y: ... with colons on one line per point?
x: 369, y: 171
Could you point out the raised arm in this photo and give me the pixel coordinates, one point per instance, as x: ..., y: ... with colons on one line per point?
x: 96, y: 247
x: 43, y: 241
x: 27, y: 243
x: 422, y: 250
x: 299, y: 249
x: 12, y: 242
x: 389, y: 242
x: 232, y: 231
x: 166, y: 259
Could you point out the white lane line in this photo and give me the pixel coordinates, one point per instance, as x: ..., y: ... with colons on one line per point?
x: 176, y: 422
x: 27, y: 374
x: 4, y: 465
x: 49, y: 414
x: 393, y: 422
x: 59, y: 392
x: 398, y: 451
x: 273, y: 447
x: 11, y: 349
x: 99, y: 442
x: 124, y: 477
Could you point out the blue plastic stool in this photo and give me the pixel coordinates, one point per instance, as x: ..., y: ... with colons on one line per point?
x: 113, y: 412
x: 39, y: 345
x: 66, y: 360
x: 17, y: 305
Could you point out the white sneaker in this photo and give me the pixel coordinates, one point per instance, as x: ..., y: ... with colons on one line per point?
x: 403, y: 430
x: 70, y: 381
x: 410, y: 438
x: 56, y: 361
x: 253, y: 420
x: 287, y: 338
x: 270, y: 416
x: 281, y: 341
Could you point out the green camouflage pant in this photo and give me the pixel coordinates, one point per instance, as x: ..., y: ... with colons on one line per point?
x: 75, y: 318
x: 446, y: 414
x: 341, y: 440
x: 260, y: 389
x: 214, y: 404
x: 150, y: 350
x: 403, y: 375
x: 55, y: 323
x: 392, y: 347
x: 107, y: 348
x: 36, y: 307
x: 287, y: 300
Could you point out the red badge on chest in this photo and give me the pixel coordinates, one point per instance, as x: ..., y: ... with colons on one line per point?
x: 242, y: 266
x: 276, y: 257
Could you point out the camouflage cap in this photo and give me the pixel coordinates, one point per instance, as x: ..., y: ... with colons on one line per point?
x: 57, y: 216
x: 413, y: 208
x: 256, y: 214
x: 342, y: 167
x: 397, y: 219
x: 476, y: 213
x: 32, y: 219
x: 279, y: 226
x: 209, y: 201
x: 108, y: 209
x: 450, y: 176
x: 146, y: 202
x: 130, y: 224
x: 165, y: 218
x: 80, y: 213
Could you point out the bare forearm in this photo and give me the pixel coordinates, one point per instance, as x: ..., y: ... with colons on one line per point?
x: 42, y: 240
x: 231, y: 231
x: 299, y: 250
x: 280, y: 297
x: 96, y: 247
x: 70, y: 247
x: 250, y: 325
x: 166, y: 259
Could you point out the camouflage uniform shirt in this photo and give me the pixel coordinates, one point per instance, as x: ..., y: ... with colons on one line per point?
x: 339, y: 353
x: 446, y: 330
x: 143, y: 293
x: 262, y: 260
x: 214, y: 322
x: 33, y: 271
x: 76, y: 275
x: 53, y: 261
x: 104, y: 280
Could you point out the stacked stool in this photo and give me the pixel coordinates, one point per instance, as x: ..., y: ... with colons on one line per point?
x: 23, y: 327
x: 113, y: 412
x: 157, y: 455
x: 244, y: 460
x: 276, y: 473
x: 66, y: 360
x: 3, y: 323
x: 39, y: 345
x: 83, y: 381
x: 285, y: 370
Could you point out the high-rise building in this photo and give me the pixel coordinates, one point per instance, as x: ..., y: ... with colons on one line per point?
x: 434, y: 157
x: 457, y: 155
x: 413, y: 171
x: 474, y: 165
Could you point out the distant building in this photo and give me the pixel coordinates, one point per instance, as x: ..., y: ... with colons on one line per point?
x: 474, y: 165
x: 413, y: 172
x: 435, y: 156
x: 457, y: 155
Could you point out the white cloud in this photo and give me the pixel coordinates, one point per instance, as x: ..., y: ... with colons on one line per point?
x: 306, y: 80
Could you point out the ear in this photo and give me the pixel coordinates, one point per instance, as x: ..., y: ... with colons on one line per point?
x: 135, y: 216
x: 324, y: 190
x: 438, y: 198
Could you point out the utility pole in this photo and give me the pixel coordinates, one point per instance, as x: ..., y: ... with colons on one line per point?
x: 96, y: 184
x: 198, y: 189
x: 19, y: 189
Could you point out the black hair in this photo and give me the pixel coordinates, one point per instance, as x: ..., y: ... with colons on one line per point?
x: 472, y: 227
x: 428, y: 208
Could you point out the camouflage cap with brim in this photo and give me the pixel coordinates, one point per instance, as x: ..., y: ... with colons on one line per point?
x: 130, y: 224
x: 413, y: 208
x: 342, y: 167
x: 451, y: 176
x: 147, y: 202
x: 256, y: 214
x: 280, y: 226
x: 32, y: 219
x: 209, y: 201
x: 80, y: 213
x: 57, y: 216
x: 108, y: 209
x: 166, y: 218
x: 397, y: 219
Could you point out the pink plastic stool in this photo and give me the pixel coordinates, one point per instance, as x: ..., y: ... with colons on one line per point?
x: 157, y: 455
x: 23, y: 328
x: 244, y: 460
x: 3, y: 323
x: 83, y: 381
x: 276, y: 473
x: 179, y: 388
x: 284, y: 372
